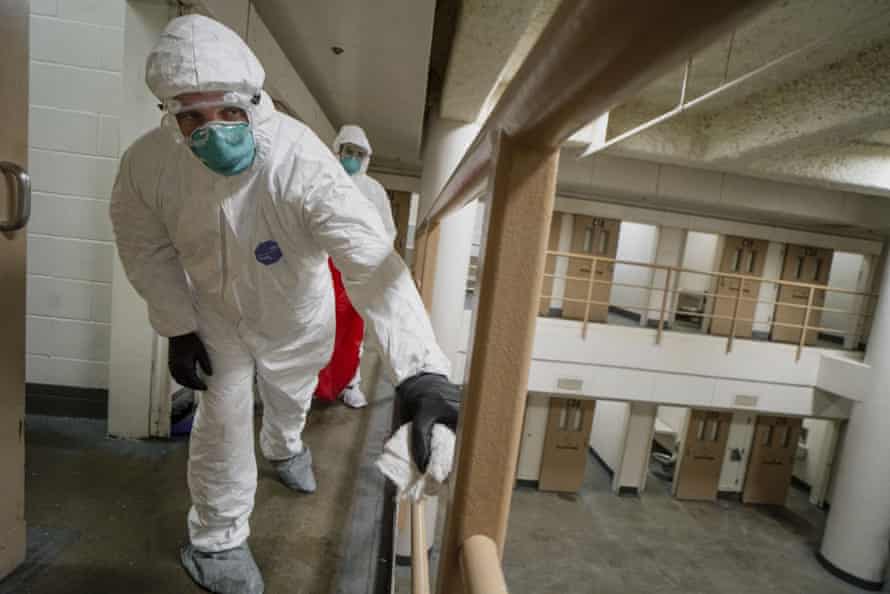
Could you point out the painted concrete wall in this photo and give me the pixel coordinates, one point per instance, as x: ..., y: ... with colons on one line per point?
x: 609, y: 428
x: 700, y: 254
x: 669, y: 252
x: 134, y: 346
x: 75, y: 97
x: 636, y: 243
x: 814, y: 468
x: 637, y: 447
x: 772, y: 269
x: 673, y: 416
x: 845, y: 274
x: 534, y: 431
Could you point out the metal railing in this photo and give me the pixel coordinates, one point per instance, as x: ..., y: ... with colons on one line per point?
x: 480, y: 563
x: 669, y: 294
x: 481, y: 566
x: 420, y: 569
x: 586, y: 61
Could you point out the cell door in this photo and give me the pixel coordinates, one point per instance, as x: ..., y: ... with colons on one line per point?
x: 698, y: 476
x: 565, y: 445
x: 808, y: 266
x: 14, y: 210
x: 594, y: 237
x: 743, y: 257
x: 772, y: 460
x: 550, y: 266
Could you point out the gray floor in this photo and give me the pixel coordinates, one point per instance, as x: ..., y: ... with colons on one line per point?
x: 108, y: 516
x: 598, y: 543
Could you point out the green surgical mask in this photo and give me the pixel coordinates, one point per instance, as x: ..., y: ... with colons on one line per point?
x: 228, y: 148
x: 351, y: 164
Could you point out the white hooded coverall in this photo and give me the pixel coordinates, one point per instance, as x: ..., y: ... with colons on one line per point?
x: 242, y: 261
x: 373, y: 191
x: 369, y: 186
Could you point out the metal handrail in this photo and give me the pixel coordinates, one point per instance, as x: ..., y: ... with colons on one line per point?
x: 714, y: 295
x: 735, y: 295
x: 680, y: 269
x: 481, y: 566
x: 420, y: 569
x: 587, y: 60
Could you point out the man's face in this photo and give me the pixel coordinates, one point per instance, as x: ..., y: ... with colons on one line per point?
x: 352, y: 150
x: 208, y: 107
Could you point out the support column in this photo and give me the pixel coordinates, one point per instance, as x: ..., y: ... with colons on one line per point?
x: 512, y: 265
x: 630, y: 476
x: 449, y: 264
x: 671, y: 245
x: 855, y: 544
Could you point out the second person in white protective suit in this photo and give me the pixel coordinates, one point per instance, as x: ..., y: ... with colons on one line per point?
x: 353, y: 149
x: 338, y: 380
x: 224, y: 218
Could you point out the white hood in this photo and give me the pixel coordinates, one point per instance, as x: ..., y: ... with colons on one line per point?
x: 350, y: 134
x: 198, y: 54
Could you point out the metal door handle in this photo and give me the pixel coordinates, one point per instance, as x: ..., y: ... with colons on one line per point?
x: 21, y: 212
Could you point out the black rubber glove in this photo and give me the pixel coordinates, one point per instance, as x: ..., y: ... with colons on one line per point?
x: 185, y: 353
x: 425, y: 400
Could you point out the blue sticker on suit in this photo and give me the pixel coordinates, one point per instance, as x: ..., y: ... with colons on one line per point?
x: 268, y: 252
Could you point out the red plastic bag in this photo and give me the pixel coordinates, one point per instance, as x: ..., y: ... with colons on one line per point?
x: 347, y: 343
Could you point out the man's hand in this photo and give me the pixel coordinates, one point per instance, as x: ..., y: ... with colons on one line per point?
x: 185, y: 353
x: 425, y: 400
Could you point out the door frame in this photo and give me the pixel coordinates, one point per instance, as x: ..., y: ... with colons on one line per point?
x: 15, y: 23
x: 788, y: 335
x: 794, y: 425
x: 681, y: 459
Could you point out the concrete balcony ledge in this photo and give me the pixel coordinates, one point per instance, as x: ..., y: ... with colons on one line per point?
x: 845, y: 376
x: 625, y: 363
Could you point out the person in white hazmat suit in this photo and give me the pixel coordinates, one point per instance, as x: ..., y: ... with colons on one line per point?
x: 353, y: 149
x: 224, y: 218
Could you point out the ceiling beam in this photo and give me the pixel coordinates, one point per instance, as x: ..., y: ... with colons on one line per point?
x: 853, y: 167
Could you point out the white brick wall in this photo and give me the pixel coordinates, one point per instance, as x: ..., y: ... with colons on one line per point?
x: 77, y: 50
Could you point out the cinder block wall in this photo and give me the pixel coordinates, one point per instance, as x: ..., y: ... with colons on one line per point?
x: 77, y: 49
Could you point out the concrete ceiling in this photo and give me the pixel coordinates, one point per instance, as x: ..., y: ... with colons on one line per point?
x: 821, y: 118
x: 834, y: 29
x: 492, y: 39
x: 818, y: 122
x: 379, y: 81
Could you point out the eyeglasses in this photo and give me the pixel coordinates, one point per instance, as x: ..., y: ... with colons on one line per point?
x: 351, y: 150
x: 229, y: 99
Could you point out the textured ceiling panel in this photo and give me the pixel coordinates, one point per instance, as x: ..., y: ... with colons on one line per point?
x: 379, y: 80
